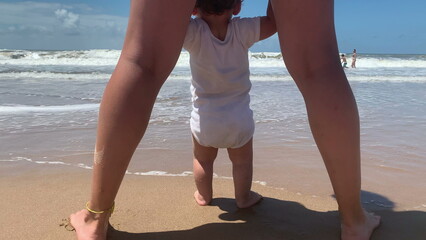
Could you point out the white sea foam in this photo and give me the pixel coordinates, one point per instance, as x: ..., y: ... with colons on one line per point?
x: 85, y: 166
x: 162, y: 173
x: 92, y: 65
x: 88, y: 58
x: 149, y: 173
x: 55, y: 76
x: 389, y: 62
x: 82, y: 165
x: 351, y: 77
x: 260, y: 182
x: 18, y: 159
x: 256, y: 76
x: 20, y: 109
x: 44, y: 76
x: 110, y: 58
x: 275, y: 60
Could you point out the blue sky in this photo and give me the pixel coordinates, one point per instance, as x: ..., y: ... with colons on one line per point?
x: 370, y: 26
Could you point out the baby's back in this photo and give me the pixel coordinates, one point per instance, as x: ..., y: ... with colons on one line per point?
x: 221, y: 115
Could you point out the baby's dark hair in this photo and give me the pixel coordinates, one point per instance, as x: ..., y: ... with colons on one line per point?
x: 216, y: 7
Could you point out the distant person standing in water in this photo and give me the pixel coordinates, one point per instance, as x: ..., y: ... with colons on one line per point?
x: 344, y: 62
x: 353, y: 59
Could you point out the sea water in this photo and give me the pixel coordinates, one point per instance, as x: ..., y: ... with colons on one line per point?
x: 49, y: 103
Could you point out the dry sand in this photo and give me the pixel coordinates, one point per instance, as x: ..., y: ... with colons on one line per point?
x: 34, y: 204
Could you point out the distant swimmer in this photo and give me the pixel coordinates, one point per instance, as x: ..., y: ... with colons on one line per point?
x: 344, y: 62
x: 353, y: 59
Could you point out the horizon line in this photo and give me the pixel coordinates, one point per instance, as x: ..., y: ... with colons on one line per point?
x: 57, y: 50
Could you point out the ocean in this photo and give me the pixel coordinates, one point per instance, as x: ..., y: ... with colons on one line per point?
x: 49, y: 104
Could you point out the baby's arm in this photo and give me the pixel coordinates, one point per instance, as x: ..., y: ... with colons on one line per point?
x: 267, y: 23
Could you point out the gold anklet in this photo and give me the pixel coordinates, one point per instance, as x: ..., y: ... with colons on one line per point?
x: 111, y: 209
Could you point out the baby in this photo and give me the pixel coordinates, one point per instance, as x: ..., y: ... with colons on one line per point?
x: 221, y: 117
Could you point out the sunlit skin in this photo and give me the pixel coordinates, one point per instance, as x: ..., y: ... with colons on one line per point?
x: 241, y: 158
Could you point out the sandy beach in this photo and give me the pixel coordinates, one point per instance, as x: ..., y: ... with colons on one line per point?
x: 36, y: 202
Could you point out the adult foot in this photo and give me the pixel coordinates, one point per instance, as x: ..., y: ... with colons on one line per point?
x: 90, y: 226
x: 202, y: 201
x: 252, y: 199
x: 361, y: 231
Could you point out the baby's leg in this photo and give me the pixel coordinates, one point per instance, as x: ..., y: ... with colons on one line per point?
x: 242, y: 171
x: 203, y: 172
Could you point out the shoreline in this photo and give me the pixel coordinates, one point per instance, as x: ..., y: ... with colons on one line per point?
x: 288, y: 168
x: 160, y: 207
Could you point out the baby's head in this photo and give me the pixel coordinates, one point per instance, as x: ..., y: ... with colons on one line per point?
x: 217, y: 7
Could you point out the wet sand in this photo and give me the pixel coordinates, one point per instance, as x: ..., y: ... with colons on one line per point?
x: 35, y: 202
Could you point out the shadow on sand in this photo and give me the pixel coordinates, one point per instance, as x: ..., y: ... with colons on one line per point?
x: 285, y: 220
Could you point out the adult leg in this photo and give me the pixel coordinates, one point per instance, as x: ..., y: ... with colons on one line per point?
x: 203, y: 172
x: 309, y: 46
x: 153, y: 42
x: 242, y: 172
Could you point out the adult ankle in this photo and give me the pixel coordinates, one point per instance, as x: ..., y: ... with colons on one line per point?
x: 353, y: 217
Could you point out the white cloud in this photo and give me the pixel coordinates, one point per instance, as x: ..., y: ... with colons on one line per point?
x: 68, y: 19
x: 25, y: 25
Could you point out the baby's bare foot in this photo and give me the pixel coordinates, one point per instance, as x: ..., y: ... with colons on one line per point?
x: 90, y: 226
x: 202, y: 201
x: 251, y: 200
x: 361, y: 231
